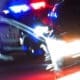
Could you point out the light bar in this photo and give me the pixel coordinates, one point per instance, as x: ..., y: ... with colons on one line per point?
x: 38, y: 5
x: 19, y: 8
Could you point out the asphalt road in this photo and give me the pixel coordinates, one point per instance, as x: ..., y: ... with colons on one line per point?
x: 26, y: 68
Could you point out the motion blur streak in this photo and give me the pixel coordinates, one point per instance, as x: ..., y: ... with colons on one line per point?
x: 73, y: 76
x: 76, y: 55
x: 59, y: 49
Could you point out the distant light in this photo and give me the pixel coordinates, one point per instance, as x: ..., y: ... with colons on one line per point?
x: 73, y: 76
x: 53, y: 15
x: 19, y: 8
x: 5, y: 11
x: 38, y: 5
x: 53, y: 12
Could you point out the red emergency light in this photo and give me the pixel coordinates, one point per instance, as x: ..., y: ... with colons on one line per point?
x: 38, y: 5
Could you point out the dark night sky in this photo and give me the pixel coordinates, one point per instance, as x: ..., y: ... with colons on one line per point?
x: 71, y: 16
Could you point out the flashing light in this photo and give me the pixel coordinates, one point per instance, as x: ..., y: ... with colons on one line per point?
x: 53, y: 15
x: 53, y: 12
x: 19, y: 8
x: 38, y: 5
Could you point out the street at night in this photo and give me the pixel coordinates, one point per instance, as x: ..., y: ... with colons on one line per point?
x: 40, y: 40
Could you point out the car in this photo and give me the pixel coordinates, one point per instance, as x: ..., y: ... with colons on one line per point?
x: 15, y: 36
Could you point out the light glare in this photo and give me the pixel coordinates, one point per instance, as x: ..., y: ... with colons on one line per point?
x: 19, y: 8
x: 38, y: 5
x: 59, y: 49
